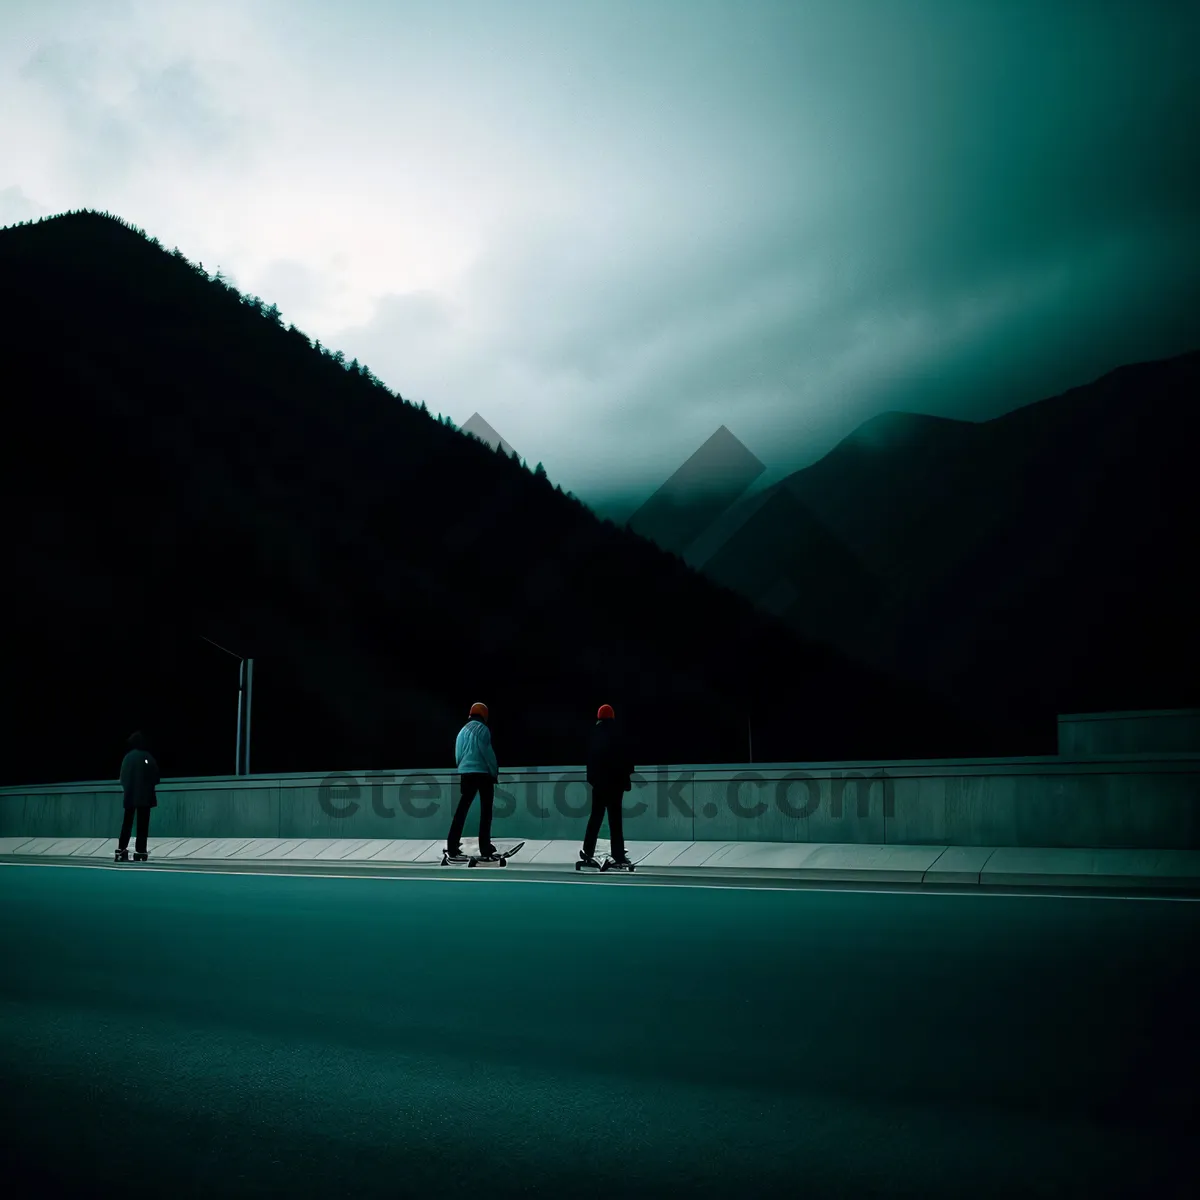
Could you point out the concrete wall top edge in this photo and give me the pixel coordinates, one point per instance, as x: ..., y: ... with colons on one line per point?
x: 1140, y: 714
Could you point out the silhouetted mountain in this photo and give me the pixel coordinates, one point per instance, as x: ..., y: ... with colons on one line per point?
x: 787, y: 562
x: 704, y: 487
x: 701, y: 551
x: 179, y: 465
x: 1040, y: 562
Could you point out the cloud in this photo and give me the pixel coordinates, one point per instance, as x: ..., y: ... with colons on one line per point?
x: 15, y: 207
x: 611, y: 228
x: 122, y: 114
x: 296, y: 288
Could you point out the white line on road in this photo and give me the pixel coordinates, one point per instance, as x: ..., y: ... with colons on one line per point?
x: 916, y: 890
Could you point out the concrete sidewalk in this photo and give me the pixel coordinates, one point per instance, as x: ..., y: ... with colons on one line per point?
x: 979, y: 866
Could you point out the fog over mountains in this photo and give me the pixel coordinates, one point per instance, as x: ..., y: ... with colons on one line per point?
x: 1038, y: 562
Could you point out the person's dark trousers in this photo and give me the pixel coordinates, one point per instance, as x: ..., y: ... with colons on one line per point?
x: 605, y: 800
x: 470, y: 784
x: 143, y: 828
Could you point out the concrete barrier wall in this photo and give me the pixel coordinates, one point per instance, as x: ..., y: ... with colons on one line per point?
x: 1118, y: 801
x: 1167, y: 731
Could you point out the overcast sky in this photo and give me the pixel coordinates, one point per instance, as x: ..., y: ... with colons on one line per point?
x: 611, y: 226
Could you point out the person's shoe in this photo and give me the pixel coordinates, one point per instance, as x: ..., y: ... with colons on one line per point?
x: 141, y: 855
x: 121, y: 856
x: 617, y: 863
x: 587, y: 860
x: 454, y: 856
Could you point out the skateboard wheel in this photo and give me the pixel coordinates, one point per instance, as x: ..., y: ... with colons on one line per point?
x: 579, y: 866
x: 504, y: 862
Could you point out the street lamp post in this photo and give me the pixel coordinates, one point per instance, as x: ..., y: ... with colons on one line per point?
x: 249, y: 665
x: 245, y: 688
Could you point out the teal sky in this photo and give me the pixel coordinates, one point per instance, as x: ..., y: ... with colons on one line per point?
x: 612, y: 226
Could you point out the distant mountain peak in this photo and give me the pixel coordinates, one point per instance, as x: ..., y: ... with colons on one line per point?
x: 895, y: 429
x: 698, y: 492
x: 476, y: 425
x: 724, y: 443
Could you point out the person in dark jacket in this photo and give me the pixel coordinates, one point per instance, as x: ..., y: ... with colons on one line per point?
x: 478, y: 774
x: 139, y: 778
x: 610, y: 772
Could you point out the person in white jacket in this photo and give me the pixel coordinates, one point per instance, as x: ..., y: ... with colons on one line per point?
x: 478, y: 774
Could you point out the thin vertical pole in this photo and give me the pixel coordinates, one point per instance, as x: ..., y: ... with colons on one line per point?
x: 241, y: 749
x: 249, y: 697
x: 237, y: 770
x: 749, y: 737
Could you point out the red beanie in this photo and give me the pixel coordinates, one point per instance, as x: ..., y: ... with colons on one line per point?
x: 605, y: 713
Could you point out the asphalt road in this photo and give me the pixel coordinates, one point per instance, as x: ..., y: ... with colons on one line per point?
x: 189, y: 1034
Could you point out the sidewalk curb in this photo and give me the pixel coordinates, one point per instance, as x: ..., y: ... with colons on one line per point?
x: 914, y: 880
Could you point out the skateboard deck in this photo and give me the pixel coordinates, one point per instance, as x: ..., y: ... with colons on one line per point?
x: 608, y: 865
x: 500, y: 860
x: 475, y: 860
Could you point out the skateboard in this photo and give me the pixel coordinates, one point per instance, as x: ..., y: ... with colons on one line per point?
x: 499, y: 859
x: 609, y: 865
x: 123, y: 856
